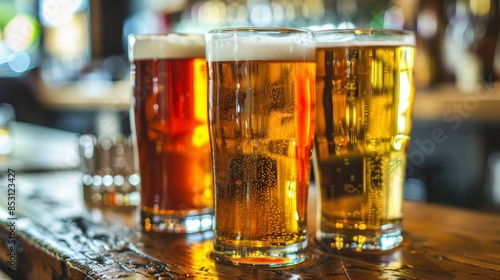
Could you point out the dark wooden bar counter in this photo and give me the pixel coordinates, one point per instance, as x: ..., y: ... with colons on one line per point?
x: 55, y: 236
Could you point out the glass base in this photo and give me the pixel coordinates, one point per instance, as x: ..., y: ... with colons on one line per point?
x: 262, y: 257
x: 101, y: 195
x: 191, y: 223
x: 360, y: 240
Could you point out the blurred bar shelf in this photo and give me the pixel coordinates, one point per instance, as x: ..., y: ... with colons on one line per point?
x: 444, y: 102
x: 90, y: 95
x: 431, y: 104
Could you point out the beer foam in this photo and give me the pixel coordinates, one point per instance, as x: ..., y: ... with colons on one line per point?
x: 170, y: 45
x: 262, y: 48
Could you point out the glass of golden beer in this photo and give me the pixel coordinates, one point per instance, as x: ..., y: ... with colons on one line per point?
x: 364, y: 116
x: 169, y: 122
x: 261, y: 121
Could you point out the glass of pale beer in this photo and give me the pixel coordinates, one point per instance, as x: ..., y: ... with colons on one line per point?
x: 169, y: 122
x: 261, y: 120
x: 365, y: 93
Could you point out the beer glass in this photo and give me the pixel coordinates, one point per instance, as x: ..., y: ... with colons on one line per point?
x: 364, y: 117
x: 261, y: 121
x: 169, y: 122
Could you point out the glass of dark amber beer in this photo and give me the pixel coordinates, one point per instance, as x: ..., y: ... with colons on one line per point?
x: 261, y: 120
x: 169, y: 122
x: 364, y: 117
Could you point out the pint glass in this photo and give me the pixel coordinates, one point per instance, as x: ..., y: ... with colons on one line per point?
x: 169, y: 122
x: 261, y: 120
x: 364, y: 117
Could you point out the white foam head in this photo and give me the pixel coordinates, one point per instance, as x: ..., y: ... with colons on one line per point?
x: 237, y: 47
x: 170, y: 46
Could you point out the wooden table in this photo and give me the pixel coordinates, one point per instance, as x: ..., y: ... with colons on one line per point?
x: 57, y: 237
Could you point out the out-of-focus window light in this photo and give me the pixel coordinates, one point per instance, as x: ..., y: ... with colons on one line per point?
x: 427, y: 23
x: 201, y: 15
x: 237, y: 14
x: 144, y: 21
x: 66, y: 39
x: 462, y: 27
x: 22, y: 32
x: 205, y: 15
x: 346, y: 25
x: 19, y: 44
x: 54, y: 12
x: 323, y: 27
x: 261, y: 15
x: 164, y: 6
x: 290, y: 12
x: 313, y: 10
x: 348, y: 6
x: 19, y: 61
x: 212, y: 13
x: 480, y: 8
x: 278, y: 13
x: 394, y: 18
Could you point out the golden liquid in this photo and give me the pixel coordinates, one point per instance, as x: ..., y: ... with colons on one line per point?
x: 261, y: 128
x: 365, y: 97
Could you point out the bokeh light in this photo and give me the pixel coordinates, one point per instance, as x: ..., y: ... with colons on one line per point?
x: 54, y: 12
x: 21, y: 32
x: 19, y: 44
x: 19, y: 61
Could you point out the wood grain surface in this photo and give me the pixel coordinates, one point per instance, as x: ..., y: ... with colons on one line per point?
x: 57, y: 237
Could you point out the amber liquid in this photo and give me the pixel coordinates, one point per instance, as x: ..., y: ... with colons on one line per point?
x: 262, y: 126
x: 170, y: 118
x: 363, y: 129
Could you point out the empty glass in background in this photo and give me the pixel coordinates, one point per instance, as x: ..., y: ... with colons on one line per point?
x: 109, y: 174
x: 169, y: 123
x: 365, y: 94
x: 261, y: 118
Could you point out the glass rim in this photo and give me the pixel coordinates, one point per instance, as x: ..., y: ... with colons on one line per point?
x: 260, y: 30
x: 260, y: 43
x: 364, y: 36
x: 366, y: 31
x: 162, y: 35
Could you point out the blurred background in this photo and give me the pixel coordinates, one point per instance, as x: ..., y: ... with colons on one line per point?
x: 63, y: 65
